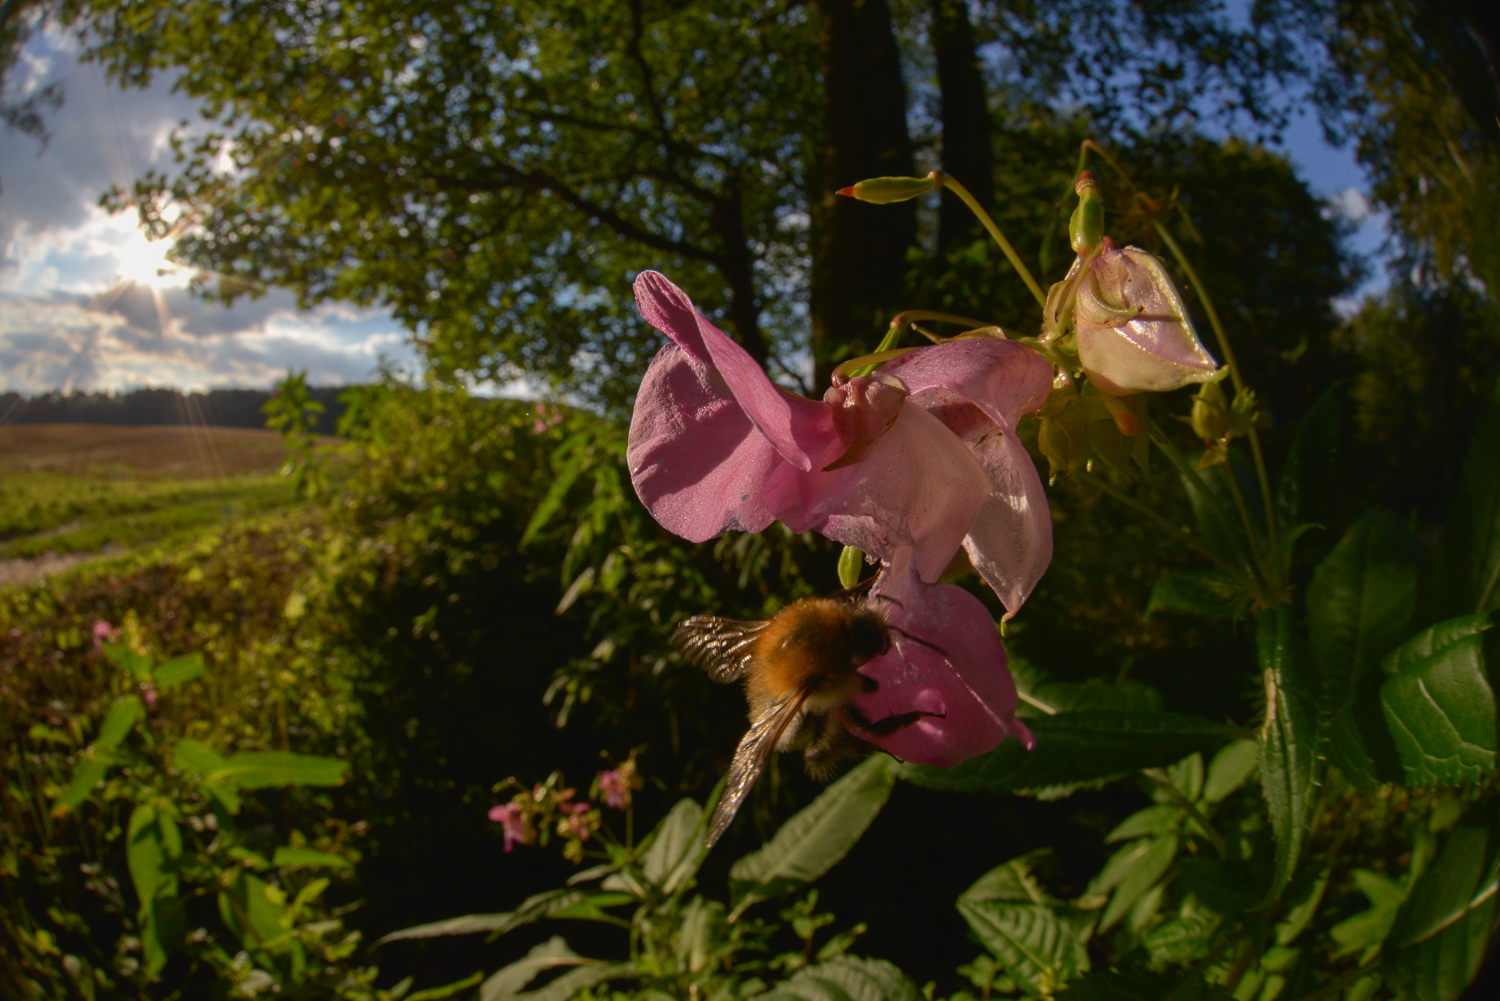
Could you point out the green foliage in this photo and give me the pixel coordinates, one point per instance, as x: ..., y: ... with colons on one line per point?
x: 292, y: 411
x: 1439, y: 704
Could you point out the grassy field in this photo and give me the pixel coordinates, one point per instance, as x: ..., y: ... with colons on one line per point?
x: 69, y: 492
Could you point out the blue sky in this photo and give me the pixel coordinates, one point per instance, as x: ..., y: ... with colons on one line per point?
x: 87, y: 303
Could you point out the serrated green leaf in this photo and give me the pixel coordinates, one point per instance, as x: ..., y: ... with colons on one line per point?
x: 289, y: 857
x: 510, y: 980
x: 1359, y: 603
x: 1076, y: 748
x: 846, y: 978
x: 1039, y: 947
x: 573, y: 982
x: 1011, y: 882
x: 1368, y: 929
x: 1288, y: 741
x: 1180, y: 940
x: 175, y: 672
x: 1192, y: 594
x: 1065, y: 697
x: 1445, y: 891
x: 593, y: 907
x: 1439, y: 705
x: 267, y: 769
x: 817, y: 837
x: 1230, y: 769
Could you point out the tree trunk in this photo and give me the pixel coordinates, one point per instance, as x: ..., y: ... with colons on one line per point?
x: 738, y: 270
x: 859, y: 250
x: 967, y: 153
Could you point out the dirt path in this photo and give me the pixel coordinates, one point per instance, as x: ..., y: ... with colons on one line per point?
x: 28, y: 571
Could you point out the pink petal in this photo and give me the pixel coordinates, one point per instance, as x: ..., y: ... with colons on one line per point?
x: 801, y: 430
x: 697, y: 461
x: 946, y: 660
x: 919, y: 486
x: 1003, y: 379
x: 1010, y: 542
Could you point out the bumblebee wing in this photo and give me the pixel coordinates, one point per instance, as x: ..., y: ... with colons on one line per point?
x: 722, y: 647
x: 750, y: 760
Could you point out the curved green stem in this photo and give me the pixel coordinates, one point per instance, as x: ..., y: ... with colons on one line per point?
x: 945, y: 181
x: 903, y: 320
x: 1160, y: 778
x: 1234, y: 373
x: 1181, y: 533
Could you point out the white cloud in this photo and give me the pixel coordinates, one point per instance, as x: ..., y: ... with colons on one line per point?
x: 1349, y: 204
x: 86, y: 302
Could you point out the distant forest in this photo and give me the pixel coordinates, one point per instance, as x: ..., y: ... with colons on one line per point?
x: 230, y: 408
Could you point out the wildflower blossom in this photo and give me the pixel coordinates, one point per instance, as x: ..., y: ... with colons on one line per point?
x: 513, y: 824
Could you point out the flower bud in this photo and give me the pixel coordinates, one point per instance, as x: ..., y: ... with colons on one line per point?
x: 1210, y: 418
x: 1086, y: 225
x: 1134, y: 334
x: 885, y: 190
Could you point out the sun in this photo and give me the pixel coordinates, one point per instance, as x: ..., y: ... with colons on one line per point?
x: 144, y: 262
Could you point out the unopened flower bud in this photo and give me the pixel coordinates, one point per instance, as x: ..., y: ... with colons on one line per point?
x: 1134, y: 334
x: 1086, y: 225
x: 886, y: 190
x: 1210, y: 417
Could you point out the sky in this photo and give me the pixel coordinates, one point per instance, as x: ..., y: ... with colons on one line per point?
x: 87, y: 303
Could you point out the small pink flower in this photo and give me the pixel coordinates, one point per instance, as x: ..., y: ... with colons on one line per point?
x: 149, y: 694
x: 922, y: 455
x: 615, y: 784
x: 103, y: 632
x: 512, y: 823
x: 577, y: 826
x: 546, y: 418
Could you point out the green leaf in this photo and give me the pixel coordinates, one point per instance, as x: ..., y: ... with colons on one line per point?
x: 1439, y: 705
x: 1368, y: 929
x: 1132, y: 871
x: 118, y: 722
x: 87, y: 773
x: 1441, y: 967
x: 1229, y: 769
x: 676, y: 848
x: 1192, y: 594
x: 1181, y: 940
x: 846, y: 978
x: 153, y: 846
x: 289, y: 857
x: 1465, y: 575
x: 1075, y: 748
x: 175, y: 672
x: 252, y: 910
x: 139, y: 665
x: 1012, y: 881
x: 198, y: 760
x: 593, y: 907
x: 573, y: 982
x: 1447, y: 888
x: 266, y: 769
x: 1157, y: 819
x: 1288, y: 742
x: 532, y: 909
x: 1135, y: 984
x: 1041, y: 947
x: 1306, y: 894
x: 510, y: 980
x: 1359, y: 603
x: 812, y: 841
x: 1307, y: 475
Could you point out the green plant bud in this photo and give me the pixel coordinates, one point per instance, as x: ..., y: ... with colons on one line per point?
x: 886, y: 190
x: 1210, y: 419
x: 851, y: 562
x: 1086, y: 225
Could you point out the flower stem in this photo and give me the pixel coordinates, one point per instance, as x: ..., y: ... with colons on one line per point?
x: 946, y: 181
x: 903, y: 320
x: 1234, y: 373
x: 1187, y: 537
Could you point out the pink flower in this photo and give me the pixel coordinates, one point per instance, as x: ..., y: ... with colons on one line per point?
x: 615, y: 784
x: 944, y: 679
x: 149, y: 693
x: 513, y: 824
x: 1134, y: 334
x: 922, y: 455
x: 103, y: 632
x: 546, y: 418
